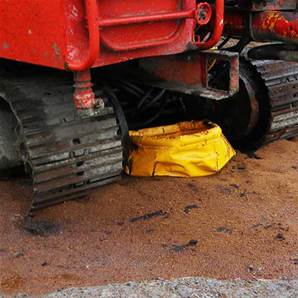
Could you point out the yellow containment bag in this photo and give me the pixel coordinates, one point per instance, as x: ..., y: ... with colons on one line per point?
x: 186, y: 149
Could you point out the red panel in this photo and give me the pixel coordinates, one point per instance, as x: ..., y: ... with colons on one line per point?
x: 33, y: 31
x: 81, y: 33
x: 138, y: 35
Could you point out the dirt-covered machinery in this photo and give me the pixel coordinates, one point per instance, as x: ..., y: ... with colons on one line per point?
x: 152, y: 61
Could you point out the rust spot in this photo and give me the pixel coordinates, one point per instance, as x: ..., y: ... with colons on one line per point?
x: 277, y: 23
x: 56, y: 49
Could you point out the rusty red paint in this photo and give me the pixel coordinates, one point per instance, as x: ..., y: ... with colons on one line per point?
x: 189, y: 69
x: 84, y: 97
x: 264, y: 26
x: 277, y: 5
x: 234, y: 75
x: 217, y: 27
x: 282, y: 25
x: 189, y: 72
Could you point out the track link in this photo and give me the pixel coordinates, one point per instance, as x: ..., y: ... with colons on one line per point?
x: 280, y: 79
x: 266, y: 107
x: 66, y: 156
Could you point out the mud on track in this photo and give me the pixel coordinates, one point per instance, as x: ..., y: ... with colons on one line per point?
x: 242, y: 223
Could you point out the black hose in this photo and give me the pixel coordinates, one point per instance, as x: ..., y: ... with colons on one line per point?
x: 152, y: 119
x: 131, y: 91
x: 143, y: 100
x: 133, y: 87
x: 156, y: 99
x: 122, y: 121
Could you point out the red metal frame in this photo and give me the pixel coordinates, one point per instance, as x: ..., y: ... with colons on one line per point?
x: 217, y: 27
x: 94, y: 33
x: 189, y: 72
x: 94, y: 38
x: 95, y: 23
x: 80, y: 34
x: 145, y: 19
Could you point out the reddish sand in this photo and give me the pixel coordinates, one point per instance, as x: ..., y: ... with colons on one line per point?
x: 241, y: 223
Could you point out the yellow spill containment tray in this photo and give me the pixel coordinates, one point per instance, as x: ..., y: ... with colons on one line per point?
x: 186, y: 149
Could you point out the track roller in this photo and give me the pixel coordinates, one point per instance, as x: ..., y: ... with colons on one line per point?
x: 265, y: 108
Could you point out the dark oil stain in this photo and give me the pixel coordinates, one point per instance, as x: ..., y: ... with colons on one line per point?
x: 253, y: 155
x: 193, y: 187
x: 41, y: 227
x: 188, y: 208
x: 159, y: 213
x: 280, y: 237
x: 180, y: 248
x: 295, y: 261
x: 239, y: 167
x: 224, y: 189
x: 149, y: 231
x: 235, y: 185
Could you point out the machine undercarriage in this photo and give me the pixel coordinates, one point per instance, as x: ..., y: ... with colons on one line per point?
x: 72, y: 136
x: 264, y: 109
x: 68, y: 156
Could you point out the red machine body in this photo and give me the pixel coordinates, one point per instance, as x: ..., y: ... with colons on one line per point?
x: 79, y: 34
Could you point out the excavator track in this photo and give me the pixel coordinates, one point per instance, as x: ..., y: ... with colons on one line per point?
x: 266, y: 107
x: 280, y: 80
x: 67, y: 156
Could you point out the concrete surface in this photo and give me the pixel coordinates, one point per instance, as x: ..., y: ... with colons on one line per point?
x: 186, y: 287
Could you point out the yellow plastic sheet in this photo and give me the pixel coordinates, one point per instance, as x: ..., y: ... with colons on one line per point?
x: 186, y: 149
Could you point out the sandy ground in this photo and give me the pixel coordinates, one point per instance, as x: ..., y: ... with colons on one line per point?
x: 241, y: 223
